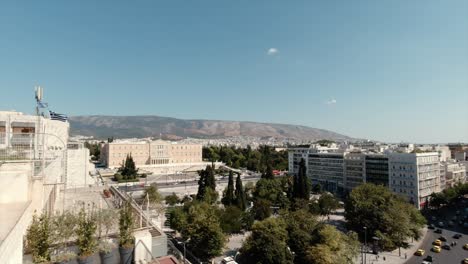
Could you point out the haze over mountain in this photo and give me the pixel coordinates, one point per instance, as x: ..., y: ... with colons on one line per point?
x: 152, y: 126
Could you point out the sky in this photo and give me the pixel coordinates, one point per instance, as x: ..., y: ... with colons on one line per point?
x: 393, y: 70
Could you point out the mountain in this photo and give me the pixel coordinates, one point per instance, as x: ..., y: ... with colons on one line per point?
x: 152, y: 126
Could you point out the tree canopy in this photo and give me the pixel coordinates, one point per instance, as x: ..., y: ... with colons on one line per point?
x: 301, y: 184
x: 199, y: 222
x: 384, y: 214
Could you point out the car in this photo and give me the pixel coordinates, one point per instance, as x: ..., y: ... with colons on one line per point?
x: 431, y: 226
x: 438, y: 231
x: 465, y: 246
x: 457, y: 236
x: 450, y: 223
x: 446, y: 247
x: 426, y: 262
x: 419, y: 252
x: 442, y: 238
x: 433, y: 218
x: 457, y: 212
x: 441, y: 224
x: 465, y: 224
x: 436, y: 249
x: 437, y: 243
x: 465, y: 261
x: 429, y: 259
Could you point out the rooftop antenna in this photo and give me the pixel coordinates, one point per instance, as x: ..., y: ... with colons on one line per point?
x: 39, y: 95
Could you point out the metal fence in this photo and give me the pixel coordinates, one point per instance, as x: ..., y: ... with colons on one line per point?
x: 18, y: 146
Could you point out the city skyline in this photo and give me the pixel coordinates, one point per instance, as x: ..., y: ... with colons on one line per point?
x: 393, y: 71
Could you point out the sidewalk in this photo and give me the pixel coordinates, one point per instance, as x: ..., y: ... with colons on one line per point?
x: 393, y: 257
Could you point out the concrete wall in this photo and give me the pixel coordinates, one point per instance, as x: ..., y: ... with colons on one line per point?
x: 78, y: 168
x: 15, y: 176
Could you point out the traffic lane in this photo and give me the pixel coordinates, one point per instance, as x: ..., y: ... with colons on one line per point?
x: 455, y: 255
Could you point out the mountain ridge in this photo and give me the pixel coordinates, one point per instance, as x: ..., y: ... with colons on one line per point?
x: 103, y: 126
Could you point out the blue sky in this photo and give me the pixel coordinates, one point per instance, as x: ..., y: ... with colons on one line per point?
x: 386, y: 70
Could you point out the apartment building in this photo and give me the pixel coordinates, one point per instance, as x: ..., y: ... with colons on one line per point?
x: 415, y: 176
x: 455, y: 172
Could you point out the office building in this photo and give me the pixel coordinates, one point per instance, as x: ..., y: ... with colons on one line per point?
x: 415, y: 176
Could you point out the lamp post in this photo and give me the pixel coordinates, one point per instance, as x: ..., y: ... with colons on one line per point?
x: 365, y: 244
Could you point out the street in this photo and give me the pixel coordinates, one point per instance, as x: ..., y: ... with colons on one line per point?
x: 457, y: 254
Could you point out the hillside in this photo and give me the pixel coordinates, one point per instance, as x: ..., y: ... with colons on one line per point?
x: 147, y: 126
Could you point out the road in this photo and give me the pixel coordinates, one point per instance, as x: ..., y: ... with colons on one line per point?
x: 457, y: 253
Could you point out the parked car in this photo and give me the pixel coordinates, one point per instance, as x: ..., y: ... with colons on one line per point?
x: 465, y: 246
x: 429, y: 258
x: 442, y: 238
x: 436, y: 249
x: 437, y: 242
x: 438, y: 231
x: 431, y: 226
x: 446, y: 247
x: 419, y: 252
x: 457, y: 236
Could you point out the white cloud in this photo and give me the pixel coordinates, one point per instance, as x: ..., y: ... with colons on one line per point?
x: 272, y: 51
x: 331, y: 101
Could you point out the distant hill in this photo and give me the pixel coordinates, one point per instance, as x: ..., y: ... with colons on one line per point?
x: 147, y: 126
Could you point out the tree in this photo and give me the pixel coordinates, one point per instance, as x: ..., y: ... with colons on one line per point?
x: 63, y: 226
x: 261, y: 209
x: 301, y: 227
x: 128, y: 169
x: 126, y: 224
x: 301, y: 186
x: 333, y: 247
x: 231, y: 220
x: 240, y: 197
x: 172, y: 199
x: 38, y: 238
x: 199, y: 221
x: 268, y: 172
x: 266, y: 243
x: 328, y: 203
x: 206, y: 181
x: 85, y: 232
x: 385, y: 215
x: 229, y: 197
x: 273, y: 190
x: 153, y: 194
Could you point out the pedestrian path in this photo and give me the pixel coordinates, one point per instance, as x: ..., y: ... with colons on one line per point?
x: 394, y: 257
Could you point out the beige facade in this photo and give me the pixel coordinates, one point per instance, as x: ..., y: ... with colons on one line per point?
x: 144, y: 153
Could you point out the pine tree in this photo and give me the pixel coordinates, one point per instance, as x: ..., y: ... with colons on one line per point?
x: 210, y: 181
x: 201, y: 185
x: 301, y: 187
x: 241, y: 199
x: 229, y: 198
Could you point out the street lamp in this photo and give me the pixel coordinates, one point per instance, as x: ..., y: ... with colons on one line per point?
x: 365, y: 244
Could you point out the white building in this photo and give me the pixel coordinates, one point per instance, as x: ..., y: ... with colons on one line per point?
x: 455, y: 172
x: 34, y: 165
x: 414, y: 175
